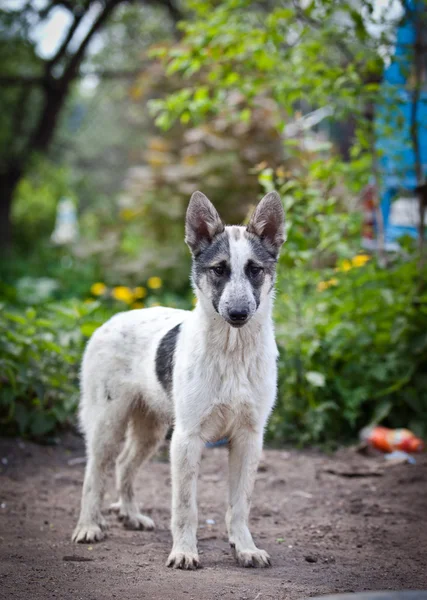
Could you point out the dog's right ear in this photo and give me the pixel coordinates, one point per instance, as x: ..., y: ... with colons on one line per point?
x: 202, y: 223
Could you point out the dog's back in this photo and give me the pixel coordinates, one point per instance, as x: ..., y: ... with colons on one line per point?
x: 118, y: 368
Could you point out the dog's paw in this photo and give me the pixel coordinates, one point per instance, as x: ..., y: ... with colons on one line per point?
x: 130, y: 519
x: 87, y: 534
x: 252, y: 558
x: 137, y: 521
x: 183, y: 560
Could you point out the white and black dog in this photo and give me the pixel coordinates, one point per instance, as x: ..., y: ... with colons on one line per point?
x: 210, y: 372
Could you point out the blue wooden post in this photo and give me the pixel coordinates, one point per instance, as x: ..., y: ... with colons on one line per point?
x: 393, y: 128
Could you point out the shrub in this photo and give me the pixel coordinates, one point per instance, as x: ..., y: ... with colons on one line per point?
x: 351, y: 333
x: 40, y: 353
x: 353, y: 350
x: 34, y: 207
x: 41, y: 350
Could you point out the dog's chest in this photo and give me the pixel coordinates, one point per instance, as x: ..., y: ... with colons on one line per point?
x: 224, y: 383
x: 229, y: 376
x: 233, y: 390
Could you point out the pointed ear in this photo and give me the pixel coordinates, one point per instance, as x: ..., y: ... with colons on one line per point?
x: 202, y: 223
x: 268, y: 222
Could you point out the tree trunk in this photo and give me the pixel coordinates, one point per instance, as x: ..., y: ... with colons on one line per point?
x: 55, y: 92
x: 8, y: 181
x: 53, y: 103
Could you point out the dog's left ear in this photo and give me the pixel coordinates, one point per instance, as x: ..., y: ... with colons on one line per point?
x: 268, y: 222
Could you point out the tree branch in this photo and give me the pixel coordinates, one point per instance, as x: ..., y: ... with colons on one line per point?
x: 26, y: 81
x: 78, y: 16
x: 73, y: 66
x: 21, y: 80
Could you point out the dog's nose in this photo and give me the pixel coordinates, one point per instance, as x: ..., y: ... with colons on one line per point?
x: 238, y: 315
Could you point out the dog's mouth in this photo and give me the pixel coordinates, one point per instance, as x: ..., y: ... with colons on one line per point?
x: 237, y: 324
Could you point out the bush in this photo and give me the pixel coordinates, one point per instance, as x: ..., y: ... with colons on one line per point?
x: 351, y: 333
x: 353, y: 350
x: 41, y: 347
x: 35, y: 203
x: 40, y: 353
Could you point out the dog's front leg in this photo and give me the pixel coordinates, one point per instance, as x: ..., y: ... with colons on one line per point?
x: 186, y: 452
x: 245, y: 453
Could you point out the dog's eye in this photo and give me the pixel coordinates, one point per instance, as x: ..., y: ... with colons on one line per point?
x: 218, y: 270
x: 254, y: 270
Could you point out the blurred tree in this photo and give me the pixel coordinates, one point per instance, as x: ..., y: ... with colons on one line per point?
x: 35, y: 88
x: 102, y: 131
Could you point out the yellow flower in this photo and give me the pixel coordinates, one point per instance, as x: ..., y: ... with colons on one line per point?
x: 360, y: 260
x: 345, y: 265
x: 154, y: 283
x: 138, y: 305
x: 324, y: 285
x: 98, y: 289
x: 123, y: 293
x: 139, y: 292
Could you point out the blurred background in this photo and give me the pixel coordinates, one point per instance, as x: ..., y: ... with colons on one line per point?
x: 112, y: 112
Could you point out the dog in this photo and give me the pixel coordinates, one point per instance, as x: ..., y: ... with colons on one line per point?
x: 211, y: 372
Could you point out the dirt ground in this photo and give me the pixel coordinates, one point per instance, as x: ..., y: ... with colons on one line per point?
x: 337, y: 523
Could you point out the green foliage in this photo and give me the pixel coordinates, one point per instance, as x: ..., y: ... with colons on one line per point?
x: 42, y: 336
x: 36, y: 199
x: 353, y: 350
x: 40, y: 353
x: 351, y: 333
x: 314, y: 55
x: 49, y: 273
x: 320, y: 226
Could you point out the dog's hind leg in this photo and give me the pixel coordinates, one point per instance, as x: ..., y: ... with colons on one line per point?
x: 143, y: 436
x: 101, y: 444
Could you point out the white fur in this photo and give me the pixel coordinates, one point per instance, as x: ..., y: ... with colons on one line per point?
x: 224, y: 384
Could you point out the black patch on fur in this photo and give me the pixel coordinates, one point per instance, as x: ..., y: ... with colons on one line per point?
x: 256, y: 281
x: 165, y: 358
x: 218, y: 252
x: 262, y: 254
x: 262, y: 251
x: 264, y: 259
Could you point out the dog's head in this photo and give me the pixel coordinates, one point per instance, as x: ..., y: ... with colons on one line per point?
x: 234, y: 267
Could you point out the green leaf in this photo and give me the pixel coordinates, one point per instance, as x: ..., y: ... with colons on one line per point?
x: 89, y: 328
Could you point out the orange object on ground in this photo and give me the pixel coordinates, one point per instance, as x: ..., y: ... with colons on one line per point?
x: 387, y: 440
